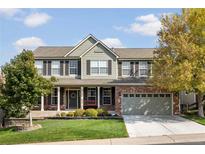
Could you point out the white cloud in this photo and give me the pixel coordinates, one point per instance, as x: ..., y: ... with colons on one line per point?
x: 113, y: 42
x: 36, y: 19
x: 29, y: 43
x: 144, y: 25
x: 9, y: 12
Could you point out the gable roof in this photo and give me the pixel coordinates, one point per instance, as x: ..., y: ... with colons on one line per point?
x: 51, y: 51
x: 99, y: 42
x: 80, y: 43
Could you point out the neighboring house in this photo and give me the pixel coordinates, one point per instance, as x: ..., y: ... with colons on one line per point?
x: 92, y: 75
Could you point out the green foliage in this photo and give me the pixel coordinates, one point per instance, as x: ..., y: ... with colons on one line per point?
x: 180, y: 58
x: 79, y: 112
x: 91, y: 113
x: 70, y: 114
x: 23, y: 85
x: 102, y: 112
x: 63, y: 114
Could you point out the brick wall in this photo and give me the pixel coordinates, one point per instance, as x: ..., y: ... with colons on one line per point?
x: 119, y: 90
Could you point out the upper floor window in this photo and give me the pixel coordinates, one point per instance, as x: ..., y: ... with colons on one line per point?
x: 39, y: 66
x: 73, y: 68
x: 55, y: 67
x: 126, y: 68
x: 143, y: 68
x: 99, y: 67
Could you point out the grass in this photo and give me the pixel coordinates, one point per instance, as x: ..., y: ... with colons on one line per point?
x: 194, y: 117
x: 66, y: 130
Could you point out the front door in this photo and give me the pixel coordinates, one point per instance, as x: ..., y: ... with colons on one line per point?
x: 73, y: 99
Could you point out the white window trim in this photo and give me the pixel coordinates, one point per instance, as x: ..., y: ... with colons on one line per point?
x: 140, y: 63
x: 126, y: 68
x: 74, y: 75
x: 52, y: 68
x: 107, y: 96
x: 41, y: 64
x: 92, y: 88
x: 98, y: 74
x: 51, y: 103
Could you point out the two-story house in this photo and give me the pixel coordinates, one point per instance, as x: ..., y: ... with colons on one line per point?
x: 92, y: 75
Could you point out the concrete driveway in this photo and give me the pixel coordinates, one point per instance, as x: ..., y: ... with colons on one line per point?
x: 138, y: 126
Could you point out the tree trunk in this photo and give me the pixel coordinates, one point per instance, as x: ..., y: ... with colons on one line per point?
x: 30, y: 119
x: 200, y: 105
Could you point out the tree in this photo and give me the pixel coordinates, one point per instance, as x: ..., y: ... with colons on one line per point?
x: 179, y: 61
x: 23, y: 85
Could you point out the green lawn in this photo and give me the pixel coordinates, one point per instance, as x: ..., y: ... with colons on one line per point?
x: 195, y: 118
x: 66, y: 130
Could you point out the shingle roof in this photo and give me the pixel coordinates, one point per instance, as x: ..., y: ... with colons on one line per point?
x: 51, y: 51
x: 90, y: 82
x: 123, y: 53
x: 134, y: 53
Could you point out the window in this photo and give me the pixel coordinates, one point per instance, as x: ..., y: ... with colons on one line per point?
x: 91, y: 96
x: 161, y: 95
x: 143, y: 69
x: 132, y: 95
x: 73, y: 68
x: 125, y: 95
x: 126, y: 68
x: 99, y: 67
x: 168, y: 95
x: 55, y: 67
x: 155, y: 95
x: 143, y: 95
x: 149, y: 95
x: 137, y: 95
x: 39, y: 66
x: 54, y: 96
x: 107, y: 96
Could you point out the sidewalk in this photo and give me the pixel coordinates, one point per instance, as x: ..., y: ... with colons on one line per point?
x: 168, y: 139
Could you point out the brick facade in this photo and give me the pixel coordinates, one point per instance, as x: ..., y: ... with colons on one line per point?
x: 119, y: 90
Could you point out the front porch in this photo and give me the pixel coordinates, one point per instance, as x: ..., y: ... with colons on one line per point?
x: 71, y: 98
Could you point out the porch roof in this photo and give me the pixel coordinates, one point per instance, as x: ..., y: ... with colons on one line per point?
x: 92, y: 82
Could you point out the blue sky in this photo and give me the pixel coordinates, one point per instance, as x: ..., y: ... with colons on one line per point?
x: 29, y: 28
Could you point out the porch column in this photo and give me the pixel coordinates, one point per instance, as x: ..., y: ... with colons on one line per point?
x: 98, y: 96
x: 42, y: 103
x: 58, y: 101
x: 81, y: 97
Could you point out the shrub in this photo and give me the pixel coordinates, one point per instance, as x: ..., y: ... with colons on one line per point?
x: 91, y: 113
x: 79, y: 112
x: 63, y: 114
x: 58, y: 115
x: 102, y: 112
x: 70, y: 114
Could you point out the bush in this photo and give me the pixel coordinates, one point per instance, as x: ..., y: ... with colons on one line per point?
x: 70, y: 114
x: 91, y: 113
x: 58, y: 115
x: 102, y: 112
x: 63, y: 114
x: 79, y: 112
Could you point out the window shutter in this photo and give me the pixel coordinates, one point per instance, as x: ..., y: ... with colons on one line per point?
x: 109, y: 67
x: 61, y: 67
x: 119, y: 68
x: 79, y: 67
x: 88, y: 67
x: 44, y: 67
x: 132, y: 68
x: 137, y: 68
x: 67, y: 68
x: 149, y: 67
x: 49, y: 67
x: 49, y: 99
x: 61, y: 96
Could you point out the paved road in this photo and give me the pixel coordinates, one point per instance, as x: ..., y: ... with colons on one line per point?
x: 167, y: 139
x: 138, y: 126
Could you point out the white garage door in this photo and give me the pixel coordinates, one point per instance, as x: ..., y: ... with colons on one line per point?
x: 147, y: 104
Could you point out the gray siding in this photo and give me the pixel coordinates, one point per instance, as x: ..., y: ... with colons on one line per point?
x: 99, y: 53
x: 83, y: 47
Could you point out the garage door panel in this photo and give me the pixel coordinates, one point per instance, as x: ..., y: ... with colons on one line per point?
x: 146, y: 105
